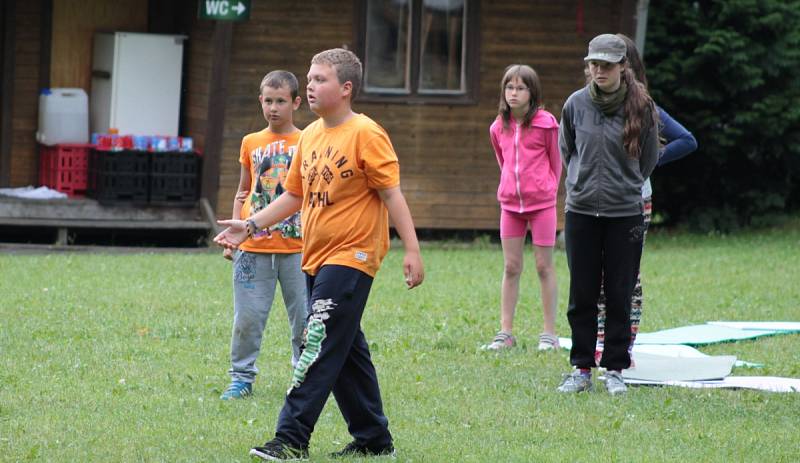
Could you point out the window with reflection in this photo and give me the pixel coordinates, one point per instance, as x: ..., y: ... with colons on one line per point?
x: 419, y: 50
x: 386, y: 58
x: 442, y: 46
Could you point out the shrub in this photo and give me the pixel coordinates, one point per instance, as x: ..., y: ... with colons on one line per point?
x: 728, y: 70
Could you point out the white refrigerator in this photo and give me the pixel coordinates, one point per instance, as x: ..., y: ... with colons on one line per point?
x: 136, y: 83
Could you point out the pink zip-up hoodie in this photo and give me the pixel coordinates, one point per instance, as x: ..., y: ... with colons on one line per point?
x: 530, y: 164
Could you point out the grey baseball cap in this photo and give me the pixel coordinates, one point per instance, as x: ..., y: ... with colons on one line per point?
x: 606, y: 47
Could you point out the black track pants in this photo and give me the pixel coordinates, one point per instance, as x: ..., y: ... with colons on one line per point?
x: 335, y: 359
x: 607, y: 250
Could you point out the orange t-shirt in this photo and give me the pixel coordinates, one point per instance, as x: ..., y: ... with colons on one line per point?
x: 268, y: 156
x: 337, y: 173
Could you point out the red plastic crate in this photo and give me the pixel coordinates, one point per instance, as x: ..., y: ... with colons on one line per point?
x: 65, y: 167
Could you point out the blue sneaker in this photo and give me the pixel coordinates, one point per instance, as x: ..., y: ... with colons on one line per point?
x: 237, y: 390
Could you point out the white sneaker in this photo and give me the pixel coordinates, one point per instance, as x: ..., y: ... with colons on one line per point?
x: 548, y: 342
x: 502, y: 340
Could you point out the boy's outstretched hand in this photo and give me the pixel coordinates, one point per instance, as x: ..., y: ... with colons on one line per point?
x: 412, y: 269
x: 234, y: 235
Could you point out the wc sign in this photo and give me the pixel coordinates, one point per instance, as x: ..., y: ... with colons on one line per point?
x: 224, y: 10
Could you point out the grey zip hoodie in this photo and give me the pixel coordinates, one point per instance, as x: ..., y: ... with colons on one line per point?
x: 602, y: 180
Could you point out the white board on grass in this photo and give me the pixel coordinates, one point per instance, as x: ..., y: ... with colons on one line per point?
x: 776, y: 326
x: 762, y: 383
x: 667, y: 350
x: 662, y: 368
x: 700, y: 334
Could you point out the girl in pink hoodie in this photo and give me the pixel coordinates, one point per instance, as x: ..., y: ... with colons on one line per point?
x: 525, y: 141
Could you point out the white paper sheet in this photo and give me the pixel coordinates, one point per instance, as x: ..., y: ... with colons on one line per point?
x: 761, y: 383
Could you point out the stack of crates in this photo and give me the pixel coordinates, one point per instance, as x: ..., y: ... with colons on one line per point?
x: 64, y: 167
x: 120, y: 176
x: 174, y: 178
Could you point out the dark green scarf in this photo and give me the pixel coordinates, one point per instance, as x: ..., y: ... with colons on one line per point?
x: 608, y: 103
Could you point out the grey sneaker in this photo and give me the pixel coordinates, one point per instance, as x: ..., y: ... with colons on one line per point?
x: 615, y: 385
x: 576, y: 382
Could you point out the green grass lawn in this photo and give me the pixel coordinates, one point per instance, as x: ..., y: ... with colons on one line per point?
x: 122, y: 357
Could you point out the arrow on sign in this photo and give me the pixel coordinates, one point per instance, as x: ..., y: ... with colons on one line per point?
x: 223, y: 10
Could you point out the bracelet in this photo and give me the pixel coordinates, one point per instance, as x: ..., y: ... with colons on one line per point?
x: 251, y: 228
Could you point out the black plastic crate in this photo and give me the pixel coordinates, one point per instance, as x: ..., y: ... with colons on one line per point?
x: 174, y: 178
x: 127, y: 161
x: 118, y: 187
x: 118, y: 177
x: 174, y: 189
x: 175, y: 162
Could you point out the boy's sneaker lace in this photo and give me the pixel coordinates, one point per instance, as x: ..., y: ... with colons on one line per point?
x: 502, y: 340
x: 548, y: 342
x: 576, y: 382
x: 354, y: 449
x: 615, y: 385
x: 237, y: 390
x: 278, y: 450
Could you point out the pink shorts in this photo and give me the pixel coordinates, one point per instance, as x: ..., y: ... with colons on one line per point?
x: 543, y: 225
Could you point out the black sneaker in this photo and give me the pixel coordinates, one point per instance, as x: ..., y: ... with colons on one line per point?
x: 278, y: 450
x: 354, y: 449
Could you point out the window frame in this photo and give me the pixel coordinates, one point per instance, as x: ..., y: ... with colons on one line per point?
x: 416, y: 96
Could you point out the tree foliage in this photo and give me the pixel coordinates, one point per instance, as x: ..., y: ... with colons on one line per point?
x: 729, y: 71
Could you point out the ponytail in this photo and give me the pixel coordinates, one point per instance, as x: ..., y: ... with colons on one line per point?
x: 640, y: 114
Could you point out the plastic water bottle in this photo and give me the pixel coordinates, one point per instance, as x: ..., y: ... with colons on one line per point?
x: 187, y: 144
x: 141, y: 142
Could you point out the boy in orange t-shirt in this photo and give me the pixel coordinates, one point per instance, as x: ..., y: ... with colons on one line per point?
x: 346, y: 180
x: 269, y: 256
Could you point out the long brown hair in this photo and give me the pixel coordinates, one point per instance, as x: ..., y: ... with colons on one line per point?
x: 639, y: 106
x: 640, y: 114
x: 529, y: 77
x: 634, y: 60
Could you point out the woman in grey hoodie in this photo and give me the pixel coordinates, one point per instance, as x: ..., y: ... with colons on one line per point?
x: 608, y: 138
x: 676, y: 143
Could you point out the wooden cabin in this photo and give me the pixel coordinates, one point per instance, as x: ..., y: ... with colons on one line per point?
x: 432, y: 72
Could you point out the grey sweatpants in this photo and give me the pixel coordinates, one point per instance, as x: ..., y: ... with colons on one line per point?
x: 255, y: 276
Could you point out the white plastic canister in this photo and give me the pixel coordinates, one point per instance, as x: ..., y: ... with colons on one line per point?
x: 63, y: 116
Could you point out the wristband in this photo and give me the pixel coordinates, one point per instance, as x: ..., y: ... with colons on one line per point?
x: 251, y: 228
